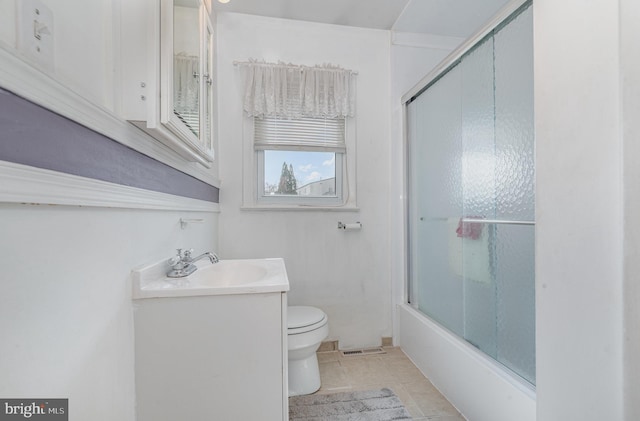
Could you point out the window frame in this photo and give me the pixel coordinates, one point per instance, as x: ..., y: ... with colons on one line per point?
x: 251, y: 171
x: 300, y: 200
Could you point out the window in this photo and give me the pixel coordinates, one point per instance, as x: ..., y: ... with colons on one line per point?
x: 300, y: 161
x: 299, y: 137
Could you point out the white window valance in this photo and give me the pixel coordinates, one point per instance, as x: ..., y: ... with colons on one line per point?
x: 290, y: 91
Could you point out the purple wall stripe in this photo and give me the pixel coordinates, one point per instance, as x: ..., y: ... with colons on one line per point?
x: 32, y: 135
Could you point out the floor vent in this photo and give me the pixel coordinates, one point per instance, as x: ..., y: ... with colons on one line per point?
x: 368, y: 351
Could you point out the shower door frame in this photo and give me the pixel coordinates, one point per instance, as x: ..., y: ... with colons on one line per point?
x: 453, y: 59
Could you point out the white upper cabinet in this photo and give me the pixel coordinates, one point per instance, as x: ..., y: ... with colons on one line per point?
x: 167, y: 75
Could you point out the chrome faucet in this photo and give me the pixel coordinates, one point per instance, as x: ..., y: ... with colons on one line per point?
x: 183, y: 264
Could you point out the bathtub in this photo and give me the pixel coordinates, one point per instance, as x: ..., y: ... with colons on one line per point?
x: 480, y: 388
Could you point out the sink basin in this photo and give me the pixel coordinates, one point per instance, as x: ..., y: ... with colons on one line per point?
x: 230, y: 273
x: 241, y: 276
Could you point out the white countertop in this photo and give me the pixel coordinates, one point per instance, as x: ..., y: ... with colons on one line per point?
x: 237, y: 276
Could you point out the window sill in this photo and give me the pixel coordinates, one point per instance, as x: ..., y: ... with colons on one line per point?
x: 300, y: 208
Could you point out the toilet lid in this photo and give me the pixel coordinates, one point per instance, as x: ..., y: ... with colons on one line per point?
x: 302, y: 316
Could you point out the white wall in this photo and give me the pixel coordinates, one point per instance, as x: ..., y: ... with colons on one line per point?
x: 345, y: 273
x: 630, y: 66
x: 579, y: 210
x: 83, y: 44
x: 65, y: 310
x: 7, y: 23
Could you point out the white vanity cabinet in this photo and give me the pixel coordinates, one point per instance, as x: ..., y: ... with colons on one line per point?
x: 211, y: 357
x: 167, y: 75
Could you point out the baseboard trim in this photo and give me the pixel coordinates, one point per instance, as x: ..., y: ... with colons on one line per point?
x: 328, y: 346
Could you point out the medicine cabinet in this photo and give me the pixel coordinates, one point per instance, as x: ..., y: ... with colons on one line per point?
x: 168, y: 74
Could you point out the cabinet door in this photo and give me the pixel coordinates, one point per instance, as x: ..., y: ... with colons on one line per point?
x: 210, y: 358
x: 207, y: 85
x: 186, y: 86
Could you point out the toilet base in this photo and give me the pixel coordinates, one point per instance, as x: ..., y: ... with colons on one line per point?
x: 304, y: 376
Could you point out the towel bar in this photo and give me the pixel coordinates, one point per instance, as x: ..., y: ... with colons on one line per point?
x: 498, y: 221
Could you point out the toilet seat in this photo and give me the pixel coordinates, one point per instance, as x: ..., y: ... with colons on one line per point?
x: 301, y: 319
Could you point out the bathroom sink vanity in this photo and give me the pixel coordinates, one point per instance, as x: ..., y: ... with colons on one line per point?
x: 212, y: 346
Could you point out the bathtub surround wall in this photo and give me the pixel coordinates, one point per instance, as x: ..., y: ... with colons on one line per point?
x: 345, y: 273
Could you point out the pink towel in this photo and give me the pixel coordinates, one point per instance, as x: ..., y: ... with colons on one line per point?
x: 470, y: 230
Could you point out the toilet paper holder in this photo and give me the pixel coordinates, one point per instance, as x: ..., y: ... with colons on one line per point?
x: 353, y: 226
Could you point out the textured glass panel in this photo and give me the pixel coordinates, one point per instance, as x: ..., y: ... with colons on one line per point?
x: 437, y: 191
x: 515, y: 282
x: 515, y: 170
x: 471, y: 157
x: 478, y: 136
x: 478, y: 181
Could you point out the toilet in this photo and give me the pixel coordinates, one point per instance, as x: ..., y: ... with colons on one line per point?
x: 307, y: 327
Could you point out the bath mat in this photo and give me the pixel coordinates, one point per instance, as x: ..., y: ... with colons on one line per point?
x: 369, y: 405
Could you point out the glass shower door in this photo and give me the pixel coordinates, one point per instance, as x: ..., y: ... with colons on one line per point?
x: 437, y: 190
x: 479, y: 192
x: 471, y: 198
x: 515, y: 196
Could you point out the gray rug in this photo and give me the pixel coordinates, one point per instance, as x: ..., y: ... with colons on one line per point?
x: 370, y: 405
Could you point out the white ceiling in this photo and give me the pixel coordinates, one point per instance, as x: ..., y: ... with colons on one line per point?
x: 379, y: 14
x: 455, y: 18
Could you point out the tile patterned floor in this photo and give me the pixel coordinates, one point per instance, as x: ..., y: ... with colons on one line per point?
x: 393, y: 370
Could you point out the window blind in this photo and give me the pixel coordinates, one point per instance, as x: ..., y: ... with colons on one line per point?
x: 321, y: 134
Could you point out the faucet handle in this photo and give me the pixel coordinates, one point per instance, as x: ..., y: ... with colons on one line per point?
x: 177, y: 258
x: 187, y: 254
